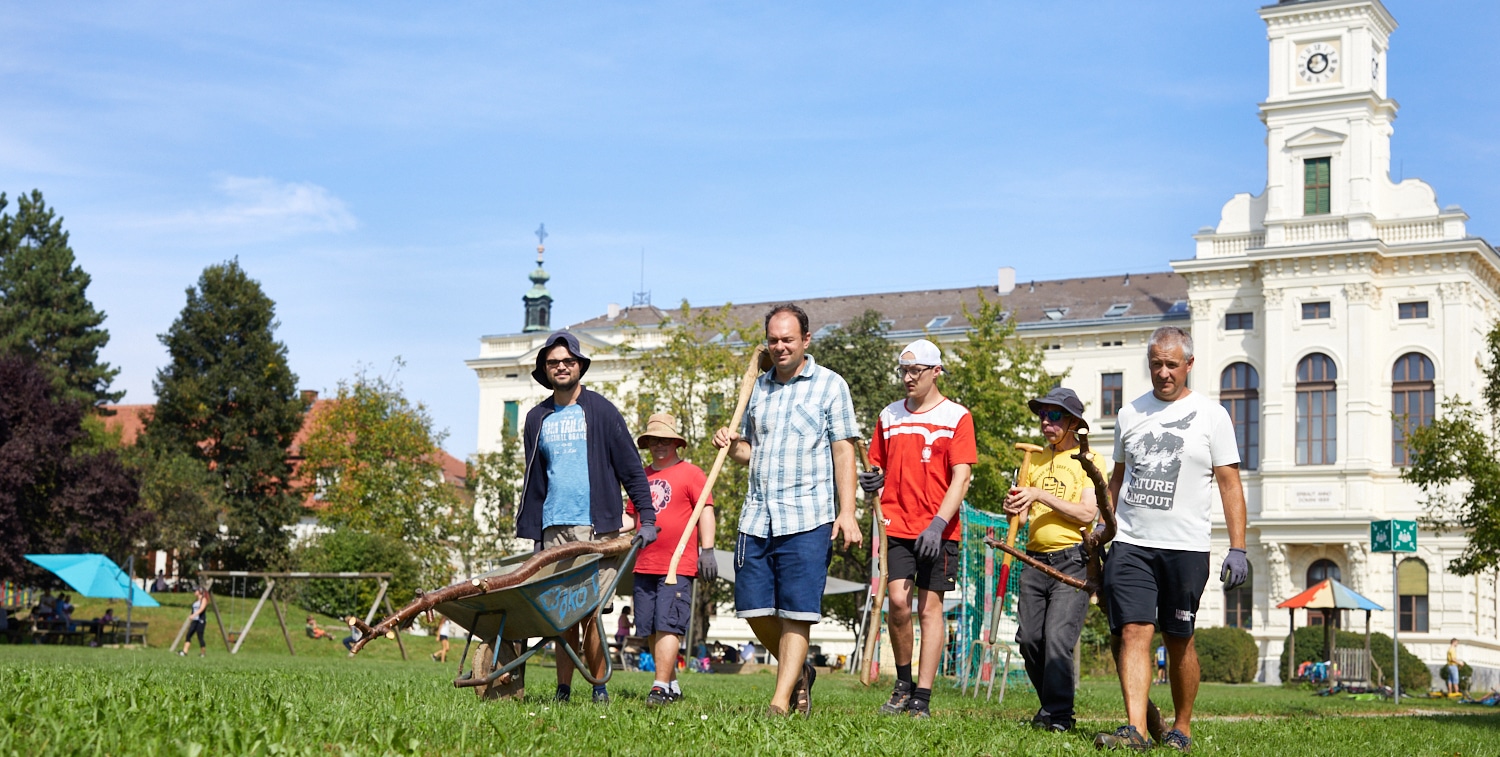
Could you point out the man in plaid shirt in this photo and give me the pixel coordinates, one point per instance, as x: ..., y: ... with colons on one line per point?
x: 798, y: 438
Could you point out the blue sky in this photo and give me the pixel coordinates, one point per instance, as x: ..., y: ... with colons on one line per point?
x: 380, y: 168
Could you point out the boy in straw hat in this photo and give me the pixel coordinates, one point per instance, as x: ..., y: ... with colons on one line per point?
x: 661, y: 610
x: 925, y: 443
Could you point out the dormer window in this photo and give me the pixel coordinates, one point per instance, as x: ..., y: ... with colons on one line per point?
x: 1316, y: 184
x: 827, y: 329
x: 1055, y: 314
x: 1116, y: 310
x: 1179, y: 307
x: 939, y: 322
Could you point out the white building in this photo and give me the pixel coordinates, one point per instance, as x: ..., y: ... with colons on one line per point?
x: 1321, y: 307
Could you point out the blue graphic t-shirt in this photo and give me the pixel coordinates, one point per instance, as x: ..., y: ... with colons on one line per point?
x: 564, y: 444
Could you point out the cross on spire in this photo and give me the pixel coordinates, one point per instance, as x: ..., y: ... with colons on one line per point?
x: 541, y: 235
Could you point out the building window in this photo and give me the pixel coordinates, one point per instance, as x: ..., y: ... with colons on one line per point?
x: 1316, y: 183
x: 1409, y: 310
x: 1239, y: 393
x: 1116, y: 310
x: 1111, y: 394
x: 1239, y: 321
x: 1055, y: 314
x: 1316, y: 574
x: 1411, y: 587
x: 1316, y: 311
x: 1237, y: 602
x: 1317, y: 418
x: 512, y: 418
x: 939, y: 322
x: 1413, y: 400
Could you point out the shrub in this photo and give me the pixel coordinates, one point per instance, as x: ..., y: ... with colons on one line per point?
x: 1227, y: 655
x: 1414, y: 673
x: 348, y: 550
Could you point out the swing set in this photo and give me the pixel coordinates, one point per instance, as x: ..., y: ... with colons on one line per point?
x: 239, y: 582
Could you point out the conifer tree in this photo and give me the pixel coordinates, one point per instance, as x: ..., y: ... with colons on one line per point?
x: 228, y: 398
x: 45, y: 313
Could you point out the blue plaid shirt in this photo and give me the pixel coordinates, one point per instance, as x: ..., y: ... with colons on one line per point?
x: 791, y: 428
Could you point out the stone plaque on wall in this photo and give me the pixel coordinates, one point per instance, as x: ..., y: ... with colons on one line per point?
x: 1311, y: 497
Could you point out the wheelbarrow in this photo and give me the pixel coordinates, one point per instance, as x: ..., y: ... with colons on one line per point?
x: 528, y: 596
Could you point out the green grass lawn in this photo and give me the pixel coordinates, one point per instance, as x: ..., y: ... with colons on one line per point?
x: 70, y: 700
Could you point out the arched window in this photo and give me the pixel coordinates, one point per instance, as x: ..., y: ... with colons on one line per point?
x: 1237, y: 603
x: 1317, y: 416
x: 1239, y: 393
x: 1413, y: 401
x: 1316, y: 573
x: 1411, y: 587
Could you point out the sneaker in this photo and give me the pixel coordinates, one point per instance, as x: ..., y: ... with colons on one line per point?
x: 181, y: 653
x: 1059, y: 726
x: 562, y: 695
x: 1124, y: 737
x: 1040, y: 721
x: 659, y: 697
x: 802, y: 692
x: 900, y: 698
x: 1177, y: 740
x: 918, y: 709
x: 601, y: 697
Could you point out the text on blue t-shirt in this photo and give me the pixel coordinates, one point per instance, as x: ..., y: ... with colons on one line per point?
x: 564, y: 444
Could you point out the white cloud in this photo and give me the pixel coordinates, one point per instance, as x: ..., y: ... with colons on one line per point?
x: 261, y: 207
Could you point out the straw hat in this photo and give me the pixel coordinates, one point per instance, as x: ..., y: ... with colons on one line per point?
x: 660, y: 426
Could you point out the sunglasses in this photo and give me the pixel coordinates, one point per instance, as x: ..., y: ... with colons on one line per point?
x: 567, y: 362
x: 1051, y: 416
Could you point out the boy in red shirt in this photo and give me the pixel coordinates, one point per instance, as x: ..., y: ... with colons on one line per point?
x: 661, y: 610
x: 925, y: 444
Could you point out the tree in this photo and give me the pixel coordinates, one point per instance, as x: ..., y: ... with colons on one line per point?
x: 347, y: 550
x: 694, y: 374
x: 56, y: 495
x: 994, y: 374
x: 184, y: 497
x: 483, y: 531
x: 45, y: 313
x: 228, y: 399
x: 377, y: 464
x: 1455, y: 462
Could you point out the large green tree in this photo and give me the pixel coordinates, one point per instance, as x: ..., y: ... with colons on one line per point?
x: 228, y: 399
x: 377, y: 463
x: 484, y: 531
x: 994, y: 374
x: 1455, y: 462
x: 45, y: 313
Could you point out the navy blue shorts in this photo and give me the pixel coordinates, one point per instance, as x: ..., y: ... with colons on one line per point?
x: 660, y: 607
x: 782, y: 575
x: 1157, y: 586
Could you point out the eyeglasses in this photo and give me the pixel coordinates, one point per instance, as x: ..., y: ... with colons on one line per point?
x: 1051, y: 416
x: 912, y: 371
x: 567, y: 362
x: 657, y: 442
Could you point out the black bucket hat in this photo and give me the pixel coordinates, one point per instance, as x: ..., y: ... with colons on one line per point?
x: 559, y: 337
x: 1067, y: 399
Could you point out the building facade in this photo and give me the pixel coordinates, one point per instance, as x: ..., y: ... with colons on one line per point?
x: 1330, y: 311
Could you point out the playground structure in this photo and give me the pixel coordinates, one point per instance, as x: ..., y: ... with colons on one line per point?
x: 271, y: 578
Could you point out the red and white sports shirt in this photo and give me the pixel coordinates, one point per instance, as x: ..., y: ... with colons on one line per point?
x: 917, y: 451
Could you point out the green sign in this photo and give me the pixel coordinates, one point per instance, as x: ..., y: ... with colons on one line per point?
x: 1393, y: 536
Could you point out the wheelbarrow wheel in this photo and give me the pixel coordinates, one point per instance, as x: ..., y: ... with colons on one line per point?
x: 515, y: 688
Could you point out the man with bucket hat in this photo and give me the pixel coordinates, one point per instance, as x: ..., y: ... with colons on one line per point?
x: 579, y: 453
x: 1059, y: 502
x: 662, y: 610
x: 926, y: 448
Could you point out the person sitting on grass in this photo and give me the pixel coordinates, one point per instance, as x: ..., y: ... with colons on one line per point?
x: 314, y: 632
x: 354, y: 634
x: 662, y: 610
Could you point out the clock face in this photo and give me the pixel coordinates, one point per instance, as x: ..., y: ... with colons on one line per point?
x: 1318, y: 63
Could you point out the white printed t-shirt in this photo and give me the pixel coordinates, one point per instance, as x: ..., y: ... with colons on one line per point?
x: 1170, y: 450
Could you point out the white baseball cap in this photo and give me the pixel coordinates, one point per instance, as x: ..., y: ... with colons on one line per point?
x: 922, y: 352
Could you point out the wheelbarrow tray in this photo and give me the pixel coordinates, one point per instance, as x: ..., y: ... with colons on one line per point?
x: 556, y: 598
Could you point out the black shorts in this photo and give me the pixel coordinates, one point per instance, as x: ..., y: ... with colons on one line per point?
x: 940, y: 574
x: 661, y: 607
x: 1157, y: 586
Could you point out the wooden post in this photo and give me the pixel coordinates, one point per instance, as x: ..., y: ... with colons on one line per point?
x: 281, y: 620
x: 397, y: 629
x: 245, y: 631
x: 217, y: 617
x: 369, y: 616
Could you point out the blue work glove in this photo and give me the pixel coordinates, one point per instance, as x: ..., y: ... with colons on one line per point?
x: 649, y: 532
x: 1235, y: 569
x: 930, y: 541
x: 871, y: 480
x: 708, y: 567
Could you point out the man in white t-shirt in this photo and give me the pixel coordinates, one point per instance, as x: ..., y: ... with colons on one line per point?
x: 1173, y: 448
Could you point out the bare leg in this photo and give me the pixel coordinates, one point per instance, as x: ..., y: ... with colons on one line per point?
x: 564, y: 662
x: 665, y: 646
x: 593, y: 649
x: 930, y: 607
x: 1182, y: 668
x: 1134, y: 663
x: 787, y: 639
x: 898, y: 620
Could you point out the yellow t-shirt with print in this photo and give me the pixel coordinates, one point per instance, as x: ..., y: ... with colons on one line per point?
x: 1061, y: 476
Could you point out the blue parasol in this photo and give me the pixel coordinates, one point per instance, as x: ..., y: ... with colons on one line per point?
x: 95, y: 576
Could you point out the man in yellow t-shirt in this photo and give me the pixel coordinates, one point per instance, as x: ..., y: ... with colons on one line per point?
x: 1059, y: 502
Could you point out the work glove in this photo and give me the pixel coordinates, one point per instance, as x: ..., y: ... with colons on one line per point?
x: 708, y: 567
x: 1235, y: 569
x: 649, y: 532
x: 871, y: 480
x: 930, y: 541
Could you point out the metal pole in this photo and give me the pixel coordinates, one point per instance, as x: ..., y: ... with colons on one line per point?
x: 129, y: 595
x: 1396, y: 631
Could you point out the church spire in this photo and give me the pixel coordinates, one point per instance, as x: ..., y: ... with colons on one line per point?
x: 538, y: 300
